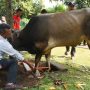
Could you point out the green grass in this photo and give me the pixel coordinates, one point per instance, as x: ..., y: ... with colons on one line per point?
x: 70, y: 78
x: 78, y: 72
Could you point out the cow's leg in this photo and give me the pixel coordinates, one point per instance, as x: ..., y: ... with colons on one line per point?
x: 73, y: 52
x: 84, y: 42
x: 47, y: 56
x: 67, y: 50
x: 88, y: 43
x: 37, y: 60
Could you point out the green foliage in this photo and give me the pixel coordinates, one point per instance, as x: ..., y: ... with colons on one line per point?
x: 2, y: 7
x: 37, y: 5
x: 79, y: 3
x: 58, y: 8
x: 28, y: 6
x: 34, y: 6
x: 83, y: 3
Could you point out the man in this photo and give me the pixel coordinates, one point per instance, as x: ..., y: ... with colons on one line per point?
x: 71, y: 6
x: 11, y: 65
x: 16, y: 19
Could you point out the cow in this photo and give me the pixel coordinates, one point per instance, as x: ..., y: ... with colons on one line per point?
x: 44, y: 32
x: 71, y: 7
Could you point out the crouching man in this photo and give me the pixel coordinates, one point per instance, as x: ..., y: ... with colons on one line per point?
x: 11, y: 65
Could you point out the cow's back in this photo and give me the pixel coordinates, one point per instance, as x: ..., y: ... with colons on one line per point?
x: 58, y: 29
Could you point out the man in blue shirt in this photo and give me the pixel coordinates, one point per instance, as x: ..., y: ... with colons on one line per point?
x: 11, y: 64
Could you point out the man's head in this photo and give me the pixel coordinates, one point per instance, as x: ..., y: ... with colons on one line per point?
x: 43, y: 11
x: 5, y: 30
x: 18, y: 12
x: 71, y: 6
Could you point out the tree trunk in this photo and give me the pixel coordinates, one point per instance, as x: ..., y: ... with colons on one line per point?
x: 9, y: 12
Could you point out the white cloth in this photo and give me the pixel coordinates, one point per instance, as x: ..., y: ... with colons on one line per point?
x: 7, y: 48
x: 0, y: 22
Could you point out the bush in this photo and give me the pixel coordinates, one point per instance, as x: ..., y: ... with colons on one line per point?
x: 58, y: 8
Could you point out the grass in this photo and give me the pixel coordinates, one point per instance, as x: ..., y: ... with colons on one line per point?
x: 76, y: 78
x: 71, y: 79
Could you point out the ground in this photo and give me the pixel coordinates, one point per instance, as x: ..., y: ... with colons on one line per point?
x: 28, y: 80
x: 25, y: 78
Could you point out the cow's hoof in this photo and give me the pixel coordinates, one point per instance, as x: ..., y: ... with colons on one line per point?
x: 66, y: 53
x: 40, y: 77
x: 37, y: 73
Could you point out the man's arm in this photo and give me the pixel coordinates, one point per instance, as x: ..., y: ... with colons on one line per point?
x: 6, y: 47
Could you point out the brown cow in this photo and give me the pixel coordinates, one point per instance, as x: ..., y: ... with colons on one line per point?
x: 45, y: 32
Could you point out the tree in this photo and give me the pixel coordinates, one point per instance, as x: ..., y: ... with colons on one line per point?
x: 37, y: 5
x: 9, y: 12
x: 2, y: 7
x: 28, y: 7
x: 80, y: 3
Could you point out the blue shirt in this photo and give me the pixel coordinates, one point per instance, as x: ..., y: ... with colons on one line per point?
x: 7, y: 48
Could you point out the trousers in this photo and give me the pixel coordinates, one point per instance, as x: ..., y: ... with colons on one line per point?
x: 11, y: 66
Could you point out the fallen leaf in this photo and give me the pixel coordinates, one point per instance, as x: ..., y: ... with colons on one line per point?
x: 65, y: 86
x: 80, y: 85
x: 52, y: 88
x: 58, y: 82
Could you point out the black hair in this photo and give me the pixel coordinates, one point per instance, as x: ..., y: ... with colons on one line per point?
x: 43, y: 11
x: 4, y: 26
x: 71, y: 4
x: 17, y: 10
